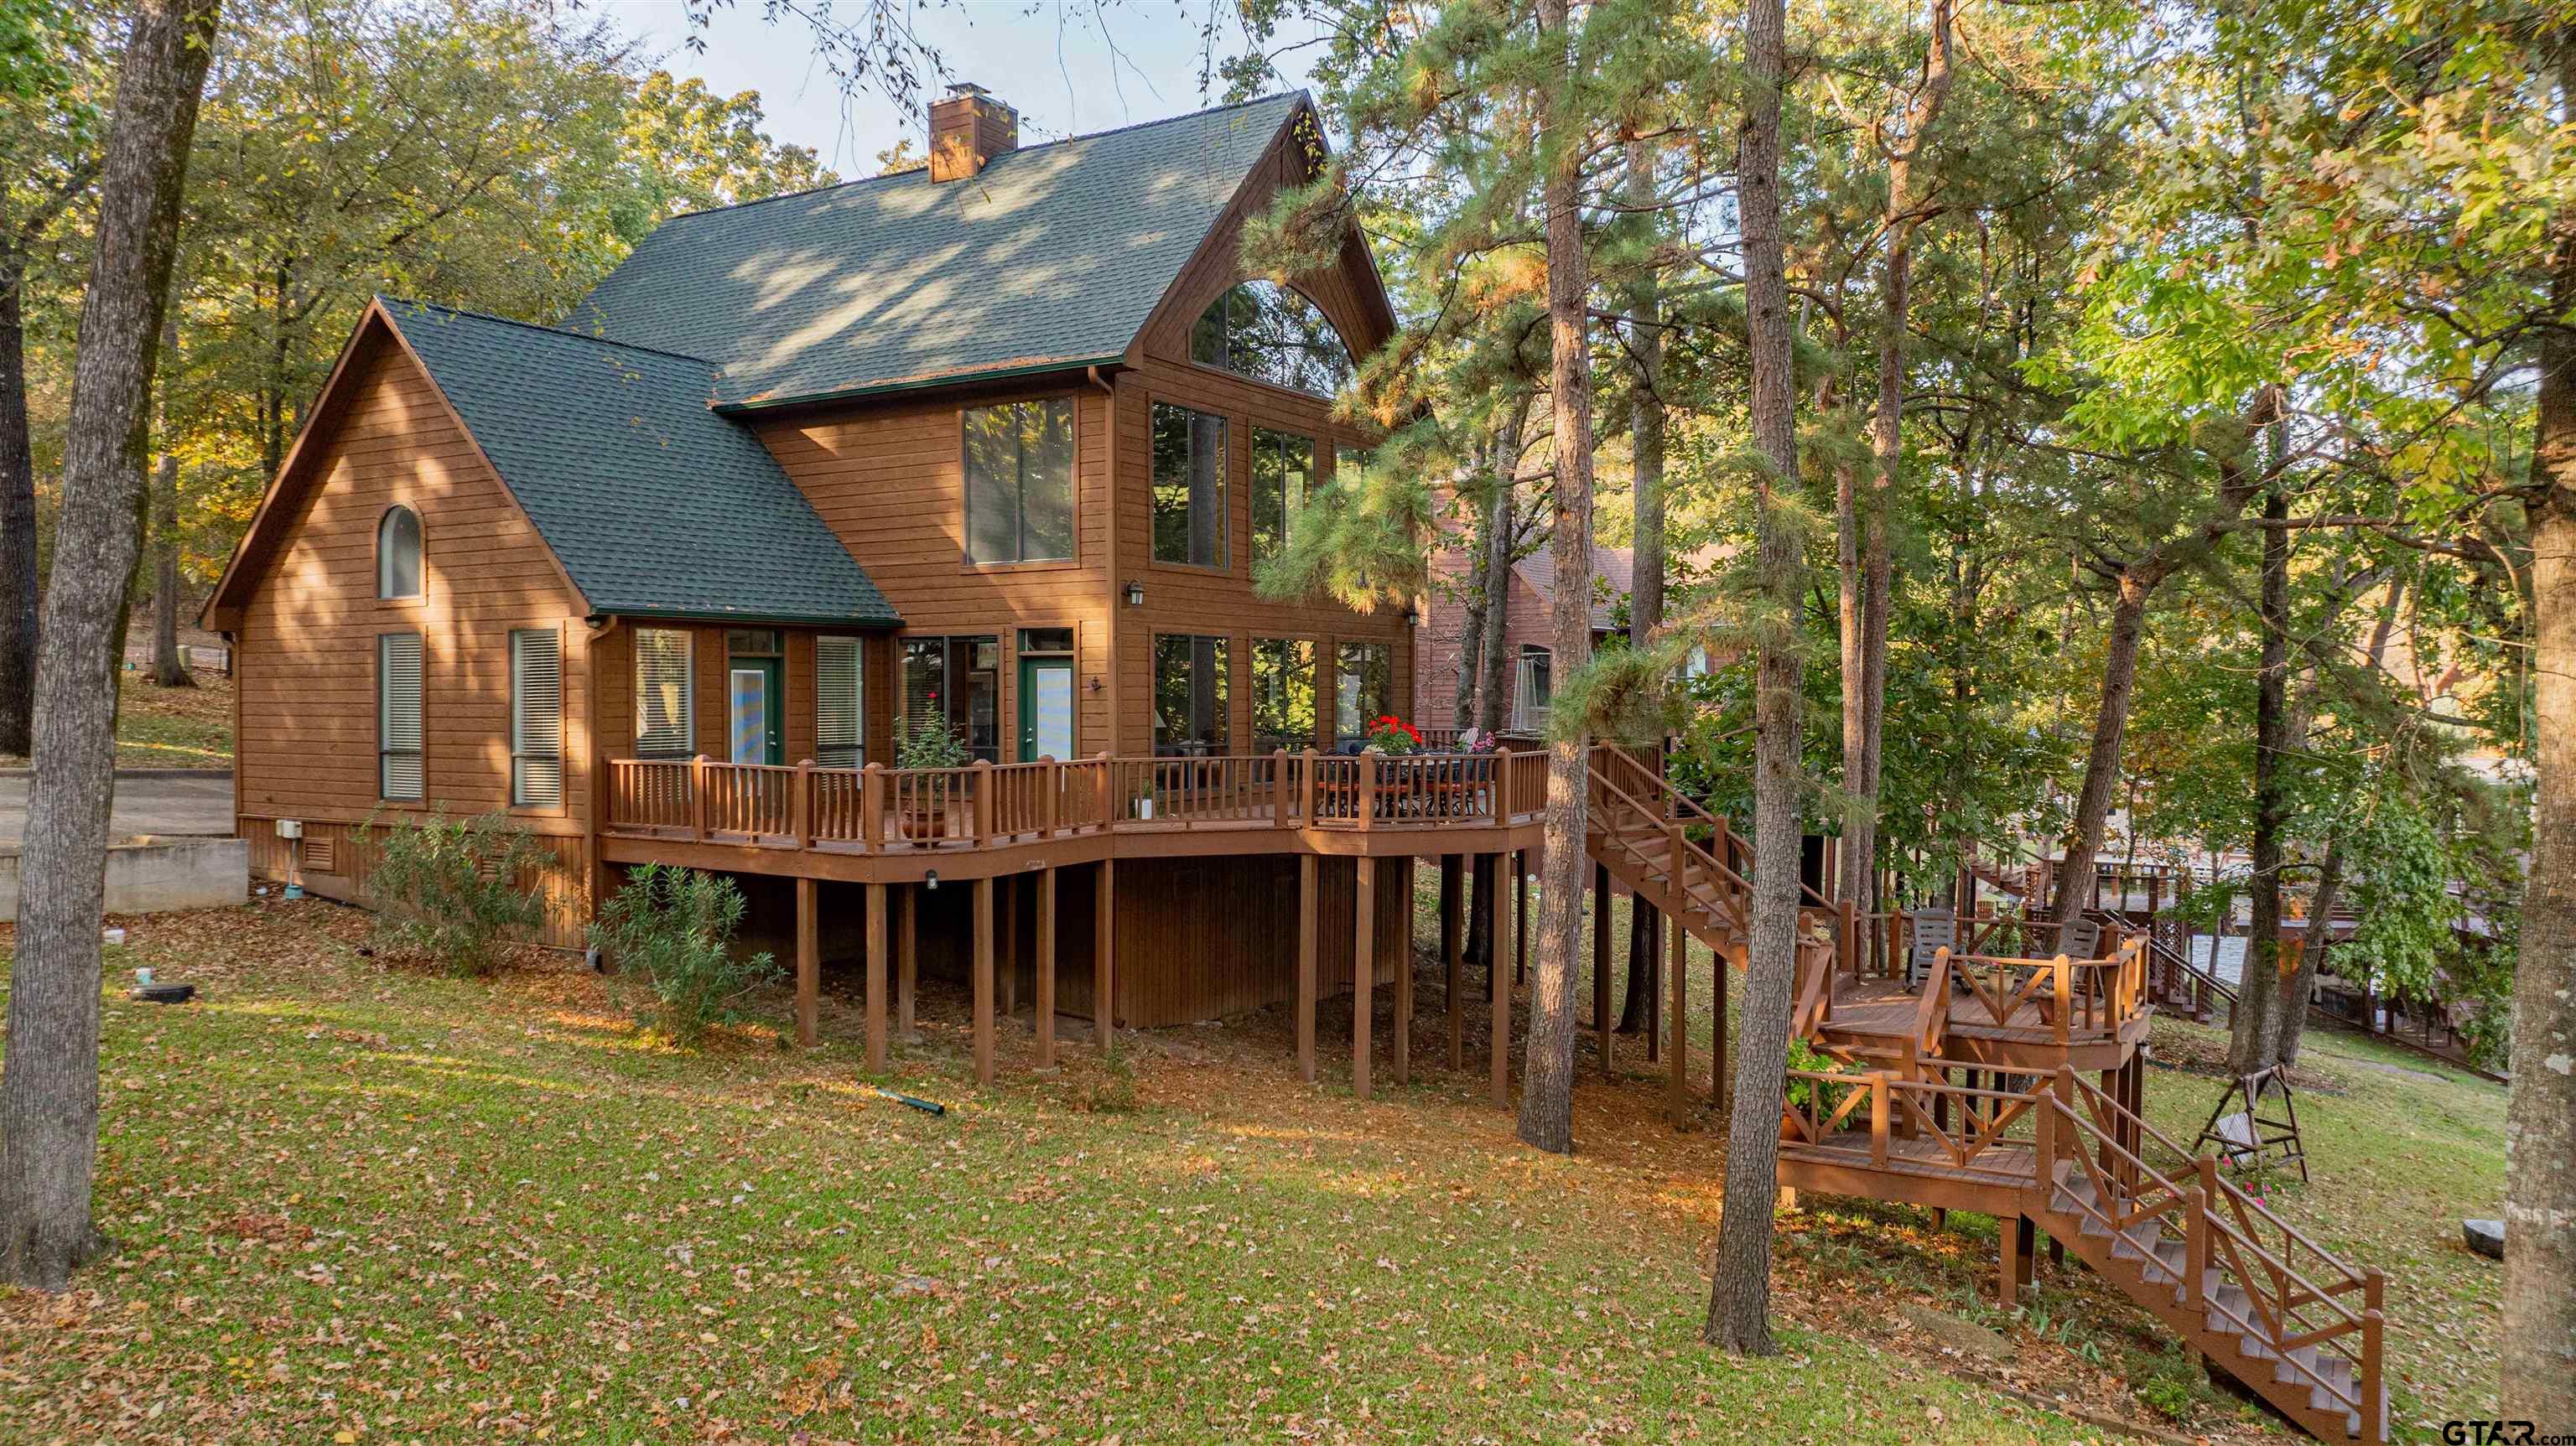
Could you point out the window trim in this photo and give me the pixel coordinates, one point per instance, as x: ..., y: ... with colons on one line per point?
x: 1314, y: 666
x: 966, y: 561
x: 1532, y: 652
x: 1225, y: 487
x: 420, y: 559
x: 859, y: 678
x: 1394, y: 695
x: 1252, y: 488
x: 420, y: 720
x: 563, y: 770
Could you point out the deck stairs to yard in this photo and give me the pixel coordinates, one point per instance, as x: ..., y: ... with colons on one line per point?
x: 1676, y: 855
x: 2255, y: 1297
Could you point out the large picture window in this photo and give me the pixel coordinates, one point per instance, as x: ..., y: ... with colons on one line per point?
x: 956, y: 684
x: 1363, y: 685
x: 1189, y: 695
x: 1283, y: 694
x: 1265, y: 331
x: 1189, y: 486
x: 1283, y: 467
x: 536, y: 718
x: 399, y: 774
x: 664, y: 715
x: 1019, y: 481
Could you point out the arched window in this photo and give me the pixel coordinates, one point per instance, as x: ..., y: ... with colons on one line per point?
x: 1268, y: 332
x: 398, y: 553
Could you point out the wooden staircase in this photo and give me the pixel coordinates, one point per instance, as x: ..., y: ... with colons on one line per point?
x: 2299, y: 1327
x: 1669, y: 851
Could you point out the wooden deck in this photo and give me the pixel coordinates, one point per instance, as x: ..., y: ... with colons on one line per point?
x: 878, y: 825
x: 2009, y: 1014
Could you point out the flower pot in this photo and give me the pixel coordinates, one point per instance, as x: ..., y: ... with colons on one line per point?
x: 1144, y: 808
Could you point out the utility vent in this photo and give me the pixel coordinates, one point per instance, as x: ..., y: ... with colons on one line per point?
x: 320, y: 856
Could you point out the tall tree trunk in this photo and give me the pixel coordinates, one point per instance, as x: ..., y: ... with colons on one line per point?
x: 18, y: 581
x: 49, y: 1081
x: 2287, y: 1034
x: 1887, y: 438
x: 2255, y: 1030
x: 2538, y: 1340
x: 1860, y: 826
x: 169, y: 669
x: 1740, y: 1296
x: 1647, y: 428
x: 1547, y: 1088
x: 1502, y: 519
x: 2102, y: 762
x: 1471, y: 631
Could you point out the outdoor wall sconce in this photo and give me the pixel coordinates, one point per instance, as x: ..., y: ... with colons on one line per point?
x: 930, y: 880
x: 1412, y: 616
x: 1135, y: 593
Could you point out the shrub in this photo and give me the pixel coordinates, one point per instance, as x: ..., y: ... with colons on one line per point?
x: 674, y: 928
x: 1807, y: 1058
x: 930, y: 745
x: 450, y: 888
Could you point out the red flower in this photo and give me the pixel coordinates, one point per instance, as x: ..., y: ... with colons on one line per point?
x: 1389, y: 720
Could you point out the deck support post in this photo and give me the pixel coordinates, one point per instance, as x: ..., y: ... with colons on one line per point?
x: 1363, y: 972
x: 809, y: 966
x: 1501, y: 994
x: 907, y: 957
x: 1404, y: 977
x: 1104, y: 942
x: 876, y: 978
x: 1520, y: 916
x: 1308, y: 921
x: 1452, y: 944
x: 1719, y: 1085
x: 983, y: 981
x: 1007, y: 890
x: 1677, y: 1054
x: 2008, y: 1269
x: 1046, y: 968
x: 1603, y: 1025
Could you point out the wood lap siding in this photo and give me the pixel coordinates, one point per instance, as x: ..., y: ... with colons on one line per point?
x: 889, y: 479
x: 309, y: 625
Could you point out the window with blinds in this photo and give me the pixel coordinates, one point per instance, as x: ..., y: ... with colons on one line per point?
x: 839, y: 698
x: 663, y: 727
x: 536, y: 718
x: 398, y: 763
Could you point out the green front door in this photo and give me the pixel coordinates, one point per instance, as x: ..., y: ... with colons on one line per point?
x: 1046, y: 709
x: 755, y: 703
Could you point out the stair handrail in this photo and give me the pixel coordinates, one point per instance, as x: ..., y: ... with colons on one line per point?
x: 1815, y: 995
x: 1697, y: 813
x: 2275, y: 1310
x: 1731, y: 898
x: 1932, y: 1012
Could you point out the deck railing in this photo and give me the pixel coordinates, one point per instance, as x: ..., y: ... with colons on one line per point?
x: 877, y: 808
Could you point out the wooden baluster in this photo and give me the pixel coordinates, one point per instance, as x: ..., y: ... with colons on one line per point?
x: 982, y: 804
x: 800, y: 803
x: 872, y: 788
x: 1279, y: 787
x: 1105, y: 789
x: 1306, y: 790
x: 2061, y: 969
x: 698, y: 797
x: 1368, y: 790
x: 1051, y: 781
x: 2195, y: 1266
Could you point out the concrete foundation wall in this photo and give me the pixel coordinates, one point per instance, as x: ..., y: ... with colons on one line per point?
x: 158, y: 876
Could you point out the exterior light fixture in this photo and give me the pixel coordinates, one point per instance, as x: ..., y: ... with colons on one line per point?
x: 1412, y: 616
x: 930, y: 880
x: 1135, y: 593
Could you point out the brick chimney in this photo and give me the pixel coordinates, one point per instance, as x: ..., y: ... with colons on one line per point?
x: 967, y: 130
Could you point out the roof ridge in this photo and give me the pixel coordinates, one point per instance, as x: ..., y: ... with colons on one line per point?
x: 1299, y: 93
x: 551, y: 330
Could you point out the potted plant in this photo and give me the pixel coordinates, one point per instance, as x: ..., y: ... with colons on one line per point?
x: 1393, y: 737
x: 920, y: 812
x: 1144, y: 801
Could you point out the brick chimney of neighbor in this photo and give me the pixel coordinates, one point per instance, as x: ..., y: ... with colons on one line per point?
x: 968, y: 129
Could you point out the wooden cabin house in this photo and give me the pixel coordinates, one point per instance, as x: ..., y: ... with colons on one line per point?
x: 989, y: 448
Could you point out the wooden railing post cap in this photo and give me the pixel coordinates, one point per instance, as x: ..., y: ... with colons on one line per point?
x: 873, y: 767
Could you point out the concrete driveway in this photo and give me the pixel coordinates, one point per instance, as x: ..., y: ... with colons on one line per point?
x: 154, y: 803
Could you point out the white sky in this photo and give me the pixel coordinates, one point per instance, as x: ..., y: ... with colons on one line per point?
x: 1050, y: 62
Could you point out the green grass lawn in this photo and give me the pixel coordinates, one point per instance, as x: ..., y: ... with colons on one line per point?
x: 355, y: 1202
x: 170, y: 727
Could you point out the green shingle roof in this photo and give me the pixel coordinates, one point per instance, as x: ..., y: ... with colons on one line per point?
x: 654, y: 504
x: 1053, y: 256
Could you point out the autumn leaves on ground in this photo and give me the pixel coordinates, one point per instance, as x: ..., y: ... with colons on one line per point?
x: 355, y: 1201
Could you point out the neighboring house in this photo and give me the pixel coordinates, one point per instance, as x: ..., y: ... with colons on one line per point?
x: 1528, y: 632
x: 990, y: 447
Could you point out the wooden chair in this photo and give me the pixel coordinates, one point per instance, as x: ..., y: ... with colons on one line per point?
x: 1932, y: 930
x: 2081, y: 938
